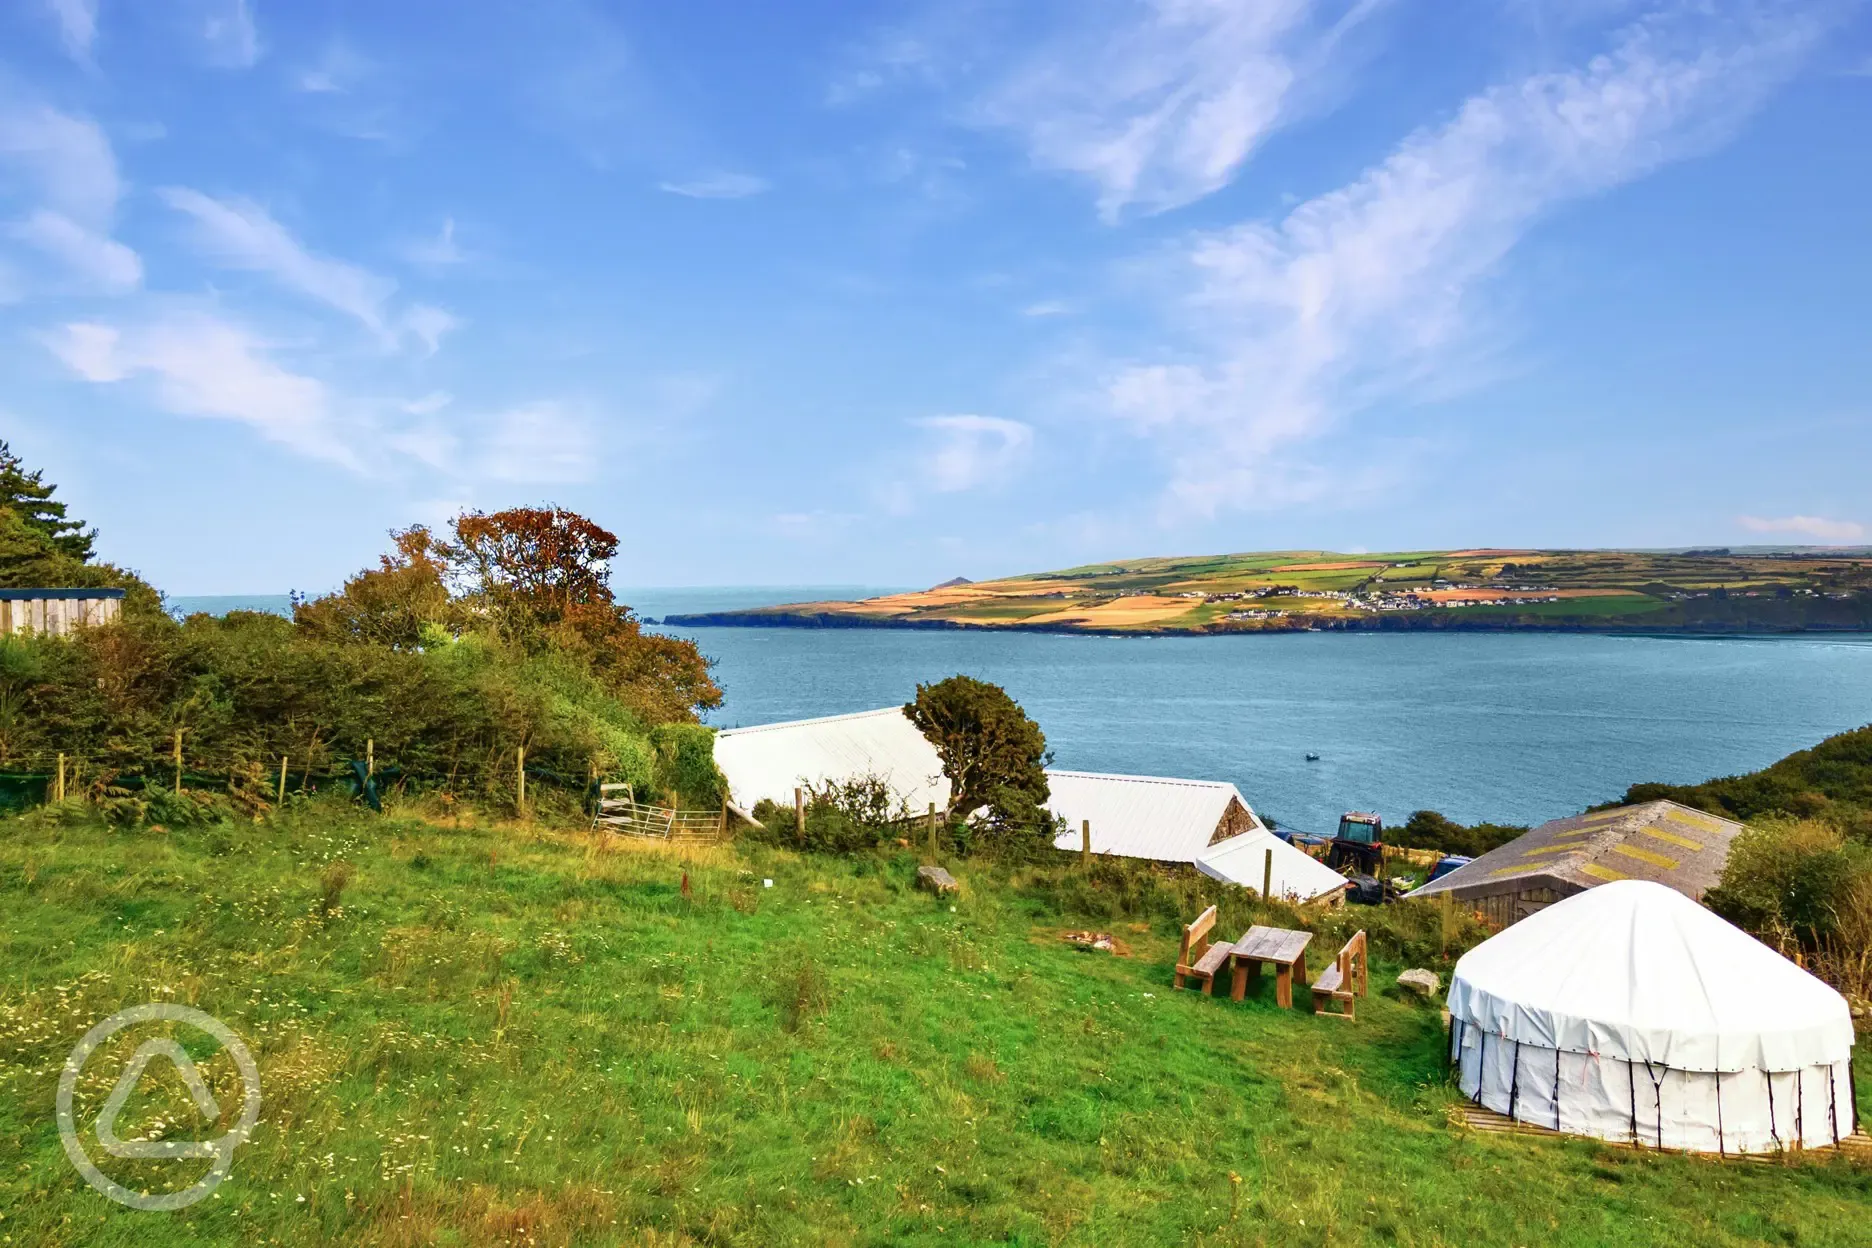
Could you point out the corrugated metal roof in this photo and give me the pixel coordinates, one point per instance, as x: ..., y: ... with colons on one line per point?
x: 1661, y: 841
x: 771, y: 760
x: 1142, y: 816
x: 1243, y: 860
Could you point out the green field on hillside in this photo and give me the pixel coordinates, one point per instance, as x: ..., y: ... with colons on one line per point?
x: 470, y: 1035
x: 1692, y: 591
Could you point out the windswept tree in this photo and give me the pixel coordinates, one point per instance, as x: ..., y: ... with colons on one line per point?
x: 28, y: 497
x: 994, y: 755
x: 395, y: 604
x: 535, y: 579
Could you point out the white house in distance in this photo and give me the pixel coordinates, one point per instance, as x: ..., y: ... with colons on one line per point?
x: 1201, y: 822
x: 771, y: 760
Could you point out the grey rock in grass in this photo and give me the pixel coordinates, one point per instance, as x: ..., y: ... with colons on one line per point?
x: 1423, y: 983
x: 937, y: 880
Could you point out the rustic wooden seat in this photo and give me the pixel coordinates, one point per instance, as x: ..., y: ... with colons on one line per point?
x: 1197, y: 958
x: 1344, y: 981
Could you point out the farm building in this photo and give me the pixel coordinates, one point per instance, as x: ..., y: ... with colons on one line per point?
x: 1201, y: 822
x: 56, y: 612
x: 1661, y: 841
x: 771, y: 760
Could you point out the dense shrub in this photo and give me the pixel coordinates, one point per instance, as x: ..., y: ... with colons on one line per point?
x: 841, y: 818
x: 1831, y: 782
x: 447, y: 658
x: 1426, y: 829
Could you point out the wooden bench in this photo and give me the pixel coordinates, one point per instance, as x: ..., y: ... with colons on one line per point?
x: 1197, y: 958
x: 1344, y: 981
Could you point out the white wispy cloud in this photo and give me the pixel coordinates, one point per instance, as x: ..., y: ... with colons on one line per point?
x: 205, y: 366
x: 428, y: 324
x: 541, y: 443
x: 1365, y: 292
x: 718, y: 186
x: 228, y: 33
x: 440, y: 252
x: 69, y: 166
x: 68, y: 158
x: 336, y: 72
x: 1161, y: 102
x: 1818, y: 527
x: 1047, y: 307
x: 99, y: 260
x: 243, y: 235
x: 77, y: 22
x: 968, y: 451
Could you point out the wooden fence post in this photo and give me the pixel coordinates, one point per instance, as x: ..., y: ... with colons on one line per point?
x: 370, y: 757
x: 282, y: 784
x: 1267, y: 875
x: 178, y: 762
x: 59, y: 790
x: 799, y: 814
x: 721, y: 829
x: 520, y: 788
x: 1085, y: 844
x: 932, y: 833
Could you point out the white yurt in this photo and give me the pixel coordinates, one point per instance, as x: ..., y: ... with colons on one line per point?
x: 1629, y: 1012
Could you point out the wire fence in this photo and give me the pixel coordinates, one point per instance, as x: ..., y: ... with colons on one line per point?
x: 507, y: 778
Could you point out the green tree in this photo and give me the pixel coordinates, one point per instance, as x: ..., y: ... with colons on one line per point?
x: 994, y: 755
x: 28, y: 497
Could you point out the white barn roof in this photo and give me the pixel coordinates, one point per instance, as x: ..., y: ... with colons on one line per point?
x: 771, y: 760
x: 1142, y: 816
x: 1243, y: 860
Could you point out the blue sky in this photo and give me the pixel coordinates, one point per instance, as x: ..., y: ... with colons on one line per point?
x: 887, y: 293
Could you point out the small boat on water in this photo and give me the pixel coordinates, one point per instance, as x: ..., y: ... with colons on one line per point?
x: 1312, y: 758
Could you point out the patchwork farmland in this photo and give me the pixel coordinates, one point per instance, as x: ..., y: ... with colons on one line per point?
x: 1671, y: 591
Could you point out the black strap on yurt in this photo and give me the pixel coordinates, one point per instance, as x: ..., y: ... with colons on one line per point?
x: 1514, y: 1080
x: 1657, y: 1090
x: 1631, y: 1078
x: 1481, y: 1066
x: 1556, y: 1089
x: 1800, y: 1109
x: 1721, y: 1151
x: 1773, y: 1130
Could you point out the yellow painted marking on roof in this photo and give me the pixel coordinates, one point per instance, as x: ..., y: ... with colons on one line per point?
x: 1645, y: 855
x: 1601, y: 816
x: 1709, y: 823
x: 1672, y: 838
x: 1550, y: 849
x: 1525, y: 867
x: 1603, y: 873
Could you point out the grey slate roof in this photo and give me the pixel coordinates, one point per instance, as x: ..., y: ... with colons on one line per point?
x: 1662, y: 841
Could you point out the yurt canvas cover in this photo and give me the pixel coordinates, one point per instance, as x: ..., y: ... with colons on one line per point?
x: 1629, y: 1012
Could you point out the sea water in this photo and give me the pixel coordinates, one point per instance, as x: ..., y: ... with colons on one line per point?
x: 1506, y: 727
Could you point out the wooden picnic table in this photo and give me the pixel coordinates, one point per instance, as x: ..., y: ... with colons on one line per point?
x: 1285, y: 949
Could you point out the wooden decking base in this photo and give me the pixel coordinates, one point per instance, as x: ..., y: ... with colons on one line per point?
x: 1855, y: 1147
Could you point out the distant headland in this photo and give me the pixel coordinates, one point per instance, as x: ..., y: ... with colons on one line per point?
x: 1704, y: 590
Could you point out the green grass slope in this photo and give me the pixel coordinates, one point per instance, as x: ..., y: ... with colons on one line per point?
x: 474, y: 1036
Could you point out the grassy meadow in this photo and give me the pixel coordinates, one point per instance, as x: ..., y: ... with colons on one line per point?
x: 509, y: 1035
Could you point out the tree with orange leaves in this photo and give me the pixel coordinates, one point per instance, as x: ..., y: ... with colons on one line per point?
x: 537, y: 579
